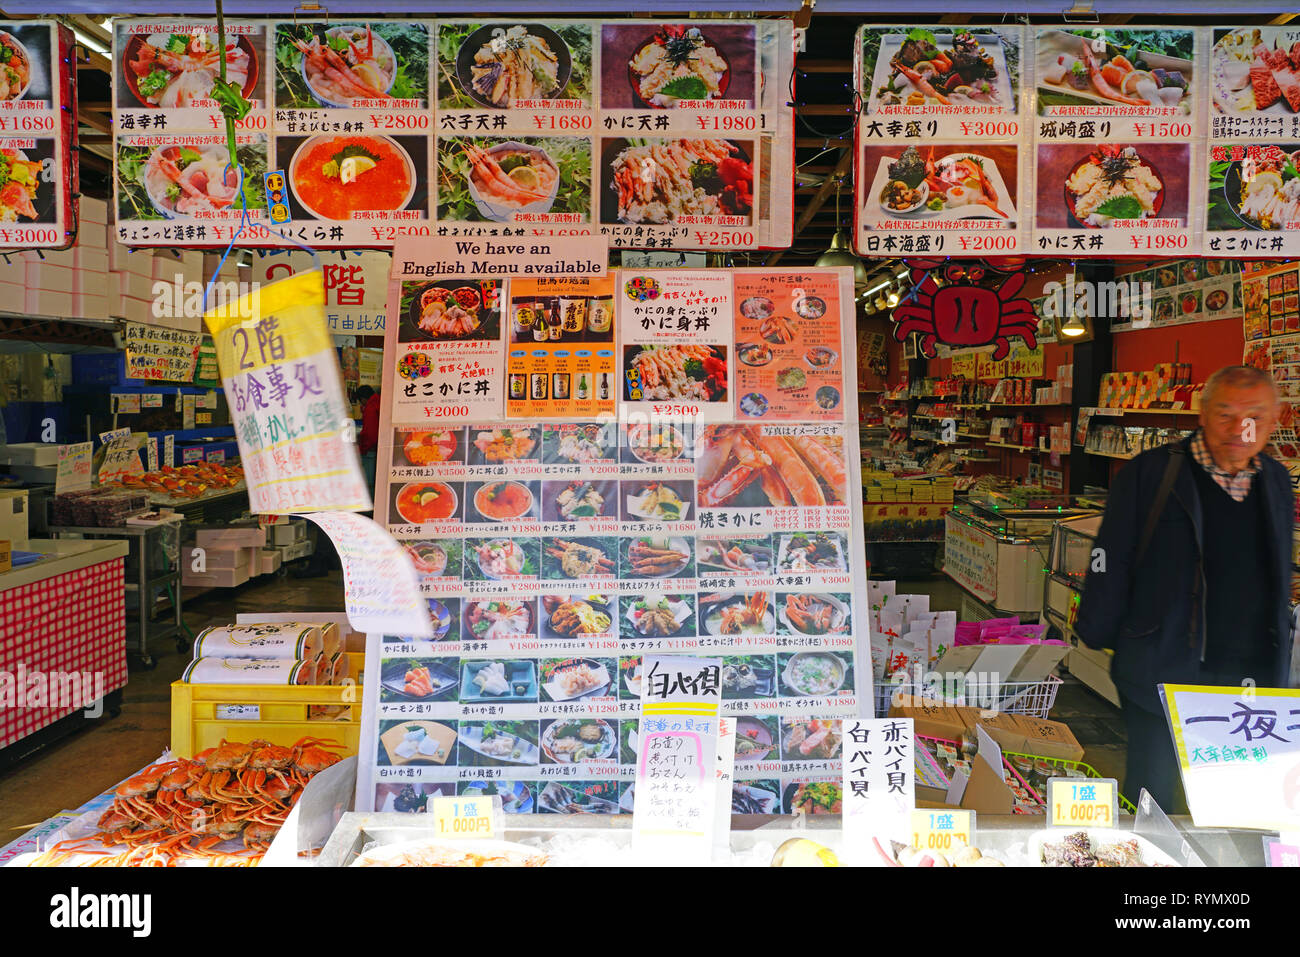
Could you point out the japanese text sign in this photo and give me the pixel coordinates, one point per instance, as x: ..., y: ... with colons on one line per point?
x: 74, y: 468
x: 879, y: 783
x: 285, y: 392
x: 1233, y: 742
x: 159, y: 354
x: 1078, y: 802
x: 676, y: 770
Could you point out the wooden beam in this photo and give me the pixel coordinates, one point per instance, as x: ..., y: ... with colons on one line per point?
x: 94, y: 120
x: 823, y: 66
x: 818, y: 200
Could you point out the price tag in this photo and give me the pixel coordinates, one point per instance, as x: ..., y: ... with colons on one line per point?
x: 1082, y: 802
x: 943, y: 831
x: 239, y: 712
x: 455, y: 817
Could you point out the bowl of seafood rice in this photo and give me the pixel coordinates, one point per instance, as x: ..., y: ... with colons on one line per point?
x: 511, y: 178
x: 365, y: 68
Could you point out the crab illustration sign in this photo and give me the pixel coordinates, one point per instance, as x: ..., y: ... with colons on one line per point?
x: 964, y: 313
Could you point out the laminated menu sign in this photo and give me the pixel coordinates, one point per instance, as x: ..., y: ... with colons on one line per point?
x: 380, y: 588
x: 1231, y: 743
x: 285, y: 393
x: 938, y: 148
x: 158, y: 354
x: 789, y: 359
x: 1118, y: 114
x: 555, y: 554
x: 1253, y: 83
x: 37, y: 135
x: 675, y: 331
x: 560, y: 360
x: 73, y: 472
x: 654, y: 133
x: 676, y: 765
x: 1251, y: 195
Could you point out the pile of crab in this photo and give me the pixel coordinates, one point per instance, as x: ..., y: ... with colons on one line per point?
x: 182, y: 809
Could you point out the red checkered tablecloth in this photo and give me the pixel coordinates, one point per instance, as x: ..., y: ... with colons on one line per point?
x: 70, y: 623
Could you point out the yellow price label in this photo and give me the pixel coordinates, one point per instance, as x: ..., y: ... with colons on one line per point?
x: 943, y: 830
x: 455, y: 817
x: 1082, y: 802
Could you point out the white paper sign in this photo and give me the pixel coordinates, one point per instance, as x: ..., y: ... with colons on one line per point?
x: 74, y: 467
x: 169, y: 450
x: 151, y: 448
x: 726, y: 776
x: 879, y: 785
x: 380, y: 588
x: 673, y: 819
x: 127, y: 402
x: 1233, y: 742
x: 188, y: 405
x: 121, y: 455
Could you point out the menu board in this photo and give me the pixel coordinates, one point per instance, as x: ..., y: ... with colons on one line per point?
x: 162, y: 355
x: 1271, y: 301
x: 653, y: 133
x: 38, y: 134
x: 1180, y: 292
x: 561, y: 356
x: 939, y: 144
x: 555, y: 554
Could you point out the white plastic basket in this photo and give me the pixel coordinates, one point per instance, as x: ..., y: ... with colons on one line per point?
x: 1033, y: 698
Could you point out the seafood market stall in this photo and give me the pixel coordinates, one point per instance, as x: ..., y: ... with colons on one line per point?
x: 64, y: 616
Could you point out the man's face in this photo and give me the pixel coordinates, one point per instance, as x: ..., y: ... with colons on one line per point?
x: 1238, y: 421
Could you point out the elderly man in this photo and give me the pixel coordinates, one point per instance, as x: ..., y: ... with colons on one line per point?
x: 1192, y: 582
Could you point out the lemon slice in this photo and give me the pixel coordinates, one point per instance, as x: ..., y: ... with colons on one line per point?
x: 525, y: 176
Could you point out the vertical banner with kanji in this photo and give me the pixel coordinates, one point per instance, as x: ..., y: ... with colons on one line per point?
x: 879, y: 785
x: 282, y: 381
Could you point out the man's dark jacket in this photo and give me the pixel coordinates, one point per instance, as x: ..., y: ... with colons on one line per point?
x: 1152, y: 613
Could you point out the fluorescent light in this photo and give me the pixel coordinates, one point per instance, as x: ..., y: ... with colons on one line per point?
x: 89, y: 42
x: 877, y: 287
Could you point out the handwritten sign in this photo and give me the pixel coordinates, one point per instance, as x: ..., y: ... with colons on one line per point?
x: 1025, y: 363
x: 188, y: 405
x: 159, y: 354
x: 879, y: 784
x: 151, y: 400
x: 673, y: 819
x: 464, y: 817
x: 127, y: 402
x: 971, y: 558
x: 380, y: 588
x: 151, y: 450
x: 73, y: 472
x: 1233, y: 742
x: 964, y: 364
x: 121, y: 455
x: 1082, y: 802
x: 169, y: 450
x: 285, y: 392
x: 944, y: 830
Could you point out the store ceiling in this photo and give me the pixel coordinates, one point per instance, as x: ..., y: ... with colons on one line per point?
x: 822, y: 91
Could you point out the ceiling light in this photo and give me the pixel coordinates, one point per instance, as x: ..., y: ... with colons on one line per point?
x: 1073, y: 327
x: 89, y: 42
x: 877, y: 287
x: 893, y: 298
x: 839, y: 254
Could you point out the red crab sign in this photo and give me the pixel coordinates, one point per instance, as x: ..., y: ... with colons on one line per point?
x: 964, y: 314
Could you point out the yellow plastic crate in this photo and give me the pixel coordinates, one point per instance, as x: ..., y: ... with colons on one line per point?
x: 202, y: 715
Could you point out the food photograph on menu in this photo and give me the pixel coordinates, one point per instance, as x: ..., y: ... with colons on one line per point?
x: 1115, y: 69
x: 505, y: 64
x: 171, y: 64
x: 1087, y: 186
x: 450, y: 309
x: 1253, y: 72
x: 177, y: 176
x: 923, y: 67
x: 375, y: 65
x: 502, y: 179
x: 667, y: 65
x: 355, y: 176
x: 938, y: 186
x: 653, y: 181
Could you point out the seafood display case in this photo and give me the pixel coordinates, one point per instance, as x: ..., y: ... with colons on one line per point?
x: 1071, y: 555
x: 996, y: 546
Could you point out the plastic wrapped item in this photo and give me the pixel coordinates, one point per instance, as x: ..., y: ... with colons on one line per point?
x: 250, y: 671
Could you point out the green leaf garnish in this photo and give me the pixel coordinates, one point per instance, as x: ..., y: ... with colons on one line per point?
x: 1121, y: 207
x: 685, y: 88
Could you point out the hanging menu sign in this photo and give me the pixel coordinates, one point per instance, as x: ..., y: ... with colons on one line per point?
x: 1118, y: 114
x: 161, y: 355
x: 654, y: 133
x: 555, y: 554
x: 38, y: 134
x: 939, y: 145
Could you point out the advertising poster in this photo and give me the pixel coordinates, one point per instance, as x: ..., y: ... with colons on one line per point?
x: 560, y: 361
x: 1252, y: 80
x: 556, y: 554
x: 675, y: 333
x: 1252, y: 199
x: 789, y: 360
x: 37, y: 136
x: 653, y: 133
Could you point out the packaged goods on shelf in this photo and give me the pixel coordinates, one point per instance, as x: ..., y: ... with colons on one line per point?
x: 250, y: 671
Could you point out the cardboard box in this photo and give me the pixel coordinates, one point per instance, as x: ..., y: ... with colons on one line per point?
x: 92, y: 235
x: 135, y: 285
x: 90, y: 306
x: 49, y: 302
x: 6, y: 556
x: 290, y: 534
x: 1005, y: 729
x: 92, y: 210
x: 231, y: 536
x: 297, y: 550
x: 215, y: 577
x: 92, y: 259
x: 929, y: 718
x: 122, y: 259
x: 1049, y: 739
x: 134, y: 310
x: 269, y: 560
x: 14, y: 517
x: 214, y: 558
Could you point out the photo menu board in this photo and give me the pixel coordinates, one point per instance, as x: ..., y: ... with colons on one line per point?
x: 556, y: 553
x: 653, y: 133
x: 38, y: 133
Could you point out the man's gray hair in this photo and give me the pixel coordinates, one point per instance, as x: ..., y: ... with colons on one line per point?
x: 1240, y: 376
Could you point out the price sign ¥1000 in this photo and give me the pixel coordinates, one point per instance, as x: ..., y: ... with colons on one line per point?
x: 1082, y: 802
x: 945, y: 831
x: 457, y: 817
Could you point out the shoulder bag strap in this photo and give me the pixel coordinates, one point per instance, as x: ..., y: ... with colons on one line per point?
x: 1162, y: 496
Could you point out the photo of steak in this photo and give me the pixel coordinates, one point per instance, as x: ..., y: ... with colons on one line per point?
x: 1292, y: 94
x: 1295, y: 55
x: 1267, y: 92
